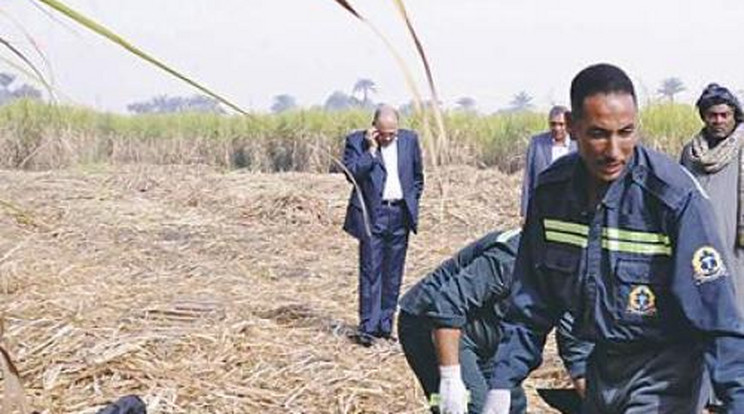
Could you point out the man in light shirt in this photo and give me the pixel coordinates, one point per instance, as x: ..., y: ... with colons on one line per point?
x: 386, y: 167
x: 715, y: 156
x: 543, y: 150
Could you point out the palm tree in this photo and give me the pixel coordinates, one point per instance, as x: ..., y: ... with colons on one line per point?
x: 466, y: 104
x: 670, y: 87
x: 366, y: 87
x: 283, y: 103
x: 339, y: 101
x: 26, y: 91
x: 521, y: 102
x: 407, y: 109
x: 6, y: 79
x: 6, y: 95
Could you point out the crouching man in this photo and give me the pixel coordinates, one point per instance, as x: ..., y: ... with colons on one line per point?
x: 449, y: 327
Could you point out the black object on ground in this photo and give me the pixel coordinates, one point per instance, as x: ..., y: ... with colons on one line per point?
x: 130, y: 404
x: 567, y: 400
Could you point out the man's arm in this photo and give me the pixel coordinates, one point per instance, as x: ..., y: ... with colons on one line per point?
x: 484, y: 273
x: 452, y: 391
x: 465, y: 284
x: 447, y: 346
x: 418, y: 167
x: 702, y: 283
x: 358, y: 158
x: 573, y: 351
x: 532, y: 313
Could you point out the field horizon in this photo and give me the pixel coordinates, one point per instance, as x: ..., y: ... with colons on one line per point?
x: 38, y: 136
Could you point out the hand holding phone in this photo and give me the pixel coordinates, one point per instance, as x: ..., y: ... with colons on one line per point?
x: 372, y: 136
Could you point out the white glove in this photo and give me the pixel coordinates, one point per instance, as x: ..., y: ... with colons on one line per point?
x: 497, y: 402
x: 452, y: 392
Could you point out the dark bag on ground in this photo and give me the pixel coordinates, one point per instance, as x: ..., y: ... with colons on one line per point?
x: 131, y: 404
x: 567, y: 401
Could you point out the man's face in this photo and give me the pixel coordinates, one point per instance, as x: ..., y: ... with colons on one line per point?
x: 387, y: 128
x: 719, y: 121
x: 606, y: 134
x: 558, y: 127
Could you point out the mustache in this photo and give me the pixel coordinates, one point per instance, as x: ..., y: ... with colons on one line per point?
x: 608, y: 160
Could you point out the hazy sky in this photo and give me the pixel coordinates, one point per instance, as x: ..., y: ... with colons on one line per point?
x: 251, y: 50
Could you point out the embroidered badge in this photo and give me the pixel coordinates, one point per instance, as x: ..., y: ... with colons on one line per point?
x: 642, y: 301
x: 707, y: 265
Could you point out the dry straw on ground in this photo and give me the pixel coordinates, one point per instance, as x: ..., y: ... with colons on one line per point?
x: 210, y: 292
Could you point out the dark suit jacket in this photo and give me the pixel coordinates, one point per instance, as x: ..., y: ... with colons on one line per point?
x: 539, y: 157
x: 370, y: 174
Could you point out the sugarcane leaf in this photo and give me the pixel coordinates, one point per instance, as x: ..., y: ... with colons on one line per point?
x: 115, y: 38
x: 26, y: 61
x: 442, y: 137
x: 345, y: 4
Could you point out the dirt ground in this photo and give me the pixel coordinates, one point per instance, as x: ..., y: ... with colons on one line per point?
x: 207, y: 291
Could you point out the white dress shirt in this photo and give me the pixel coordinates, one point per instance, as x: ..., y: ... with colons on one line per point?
x: 392, y: 191
x: 559, y: 149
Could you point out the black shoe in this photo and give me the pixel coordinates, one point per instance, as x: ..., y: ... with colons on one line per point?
x: 364, y: 339
x: 387, y: 336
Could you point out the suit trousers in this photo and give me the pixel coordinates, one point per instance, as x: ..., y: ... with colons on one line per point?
x: 381, y: 261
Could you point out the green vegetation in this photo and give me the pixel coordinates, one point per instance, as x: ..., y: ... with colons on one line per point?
x: 668, y: 126
x: 34, y: 135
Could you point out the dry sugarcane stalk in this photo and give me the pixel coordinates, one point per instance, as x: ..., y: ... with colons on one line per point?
x: 14, y: 395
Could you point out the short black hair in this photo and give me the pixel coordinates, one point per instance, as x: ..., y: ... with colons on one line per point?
x: 601, y: 78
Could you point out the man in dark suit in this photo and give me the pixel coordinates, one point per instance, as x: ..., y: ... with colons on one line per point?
x: 385, y: 163
x: 543, y: 150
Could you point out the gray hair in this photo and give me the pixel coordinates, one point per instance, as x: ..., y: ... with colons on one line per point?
x: 384, y: 108
x: 557, y: 110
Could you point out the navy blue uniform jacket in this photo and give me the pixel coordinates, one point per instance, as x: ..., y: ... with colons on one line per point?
x: 370, y: 174
x: 645, y: 269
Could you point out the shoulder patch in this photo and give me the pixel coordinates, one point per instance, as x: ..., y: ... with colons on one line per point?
x: 707, y: 265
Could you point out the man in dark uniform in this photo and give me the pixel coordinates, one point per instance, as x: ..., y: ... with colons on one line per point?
x: 622, y: 237
x: 449, y: 326
x: 385, y: 164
